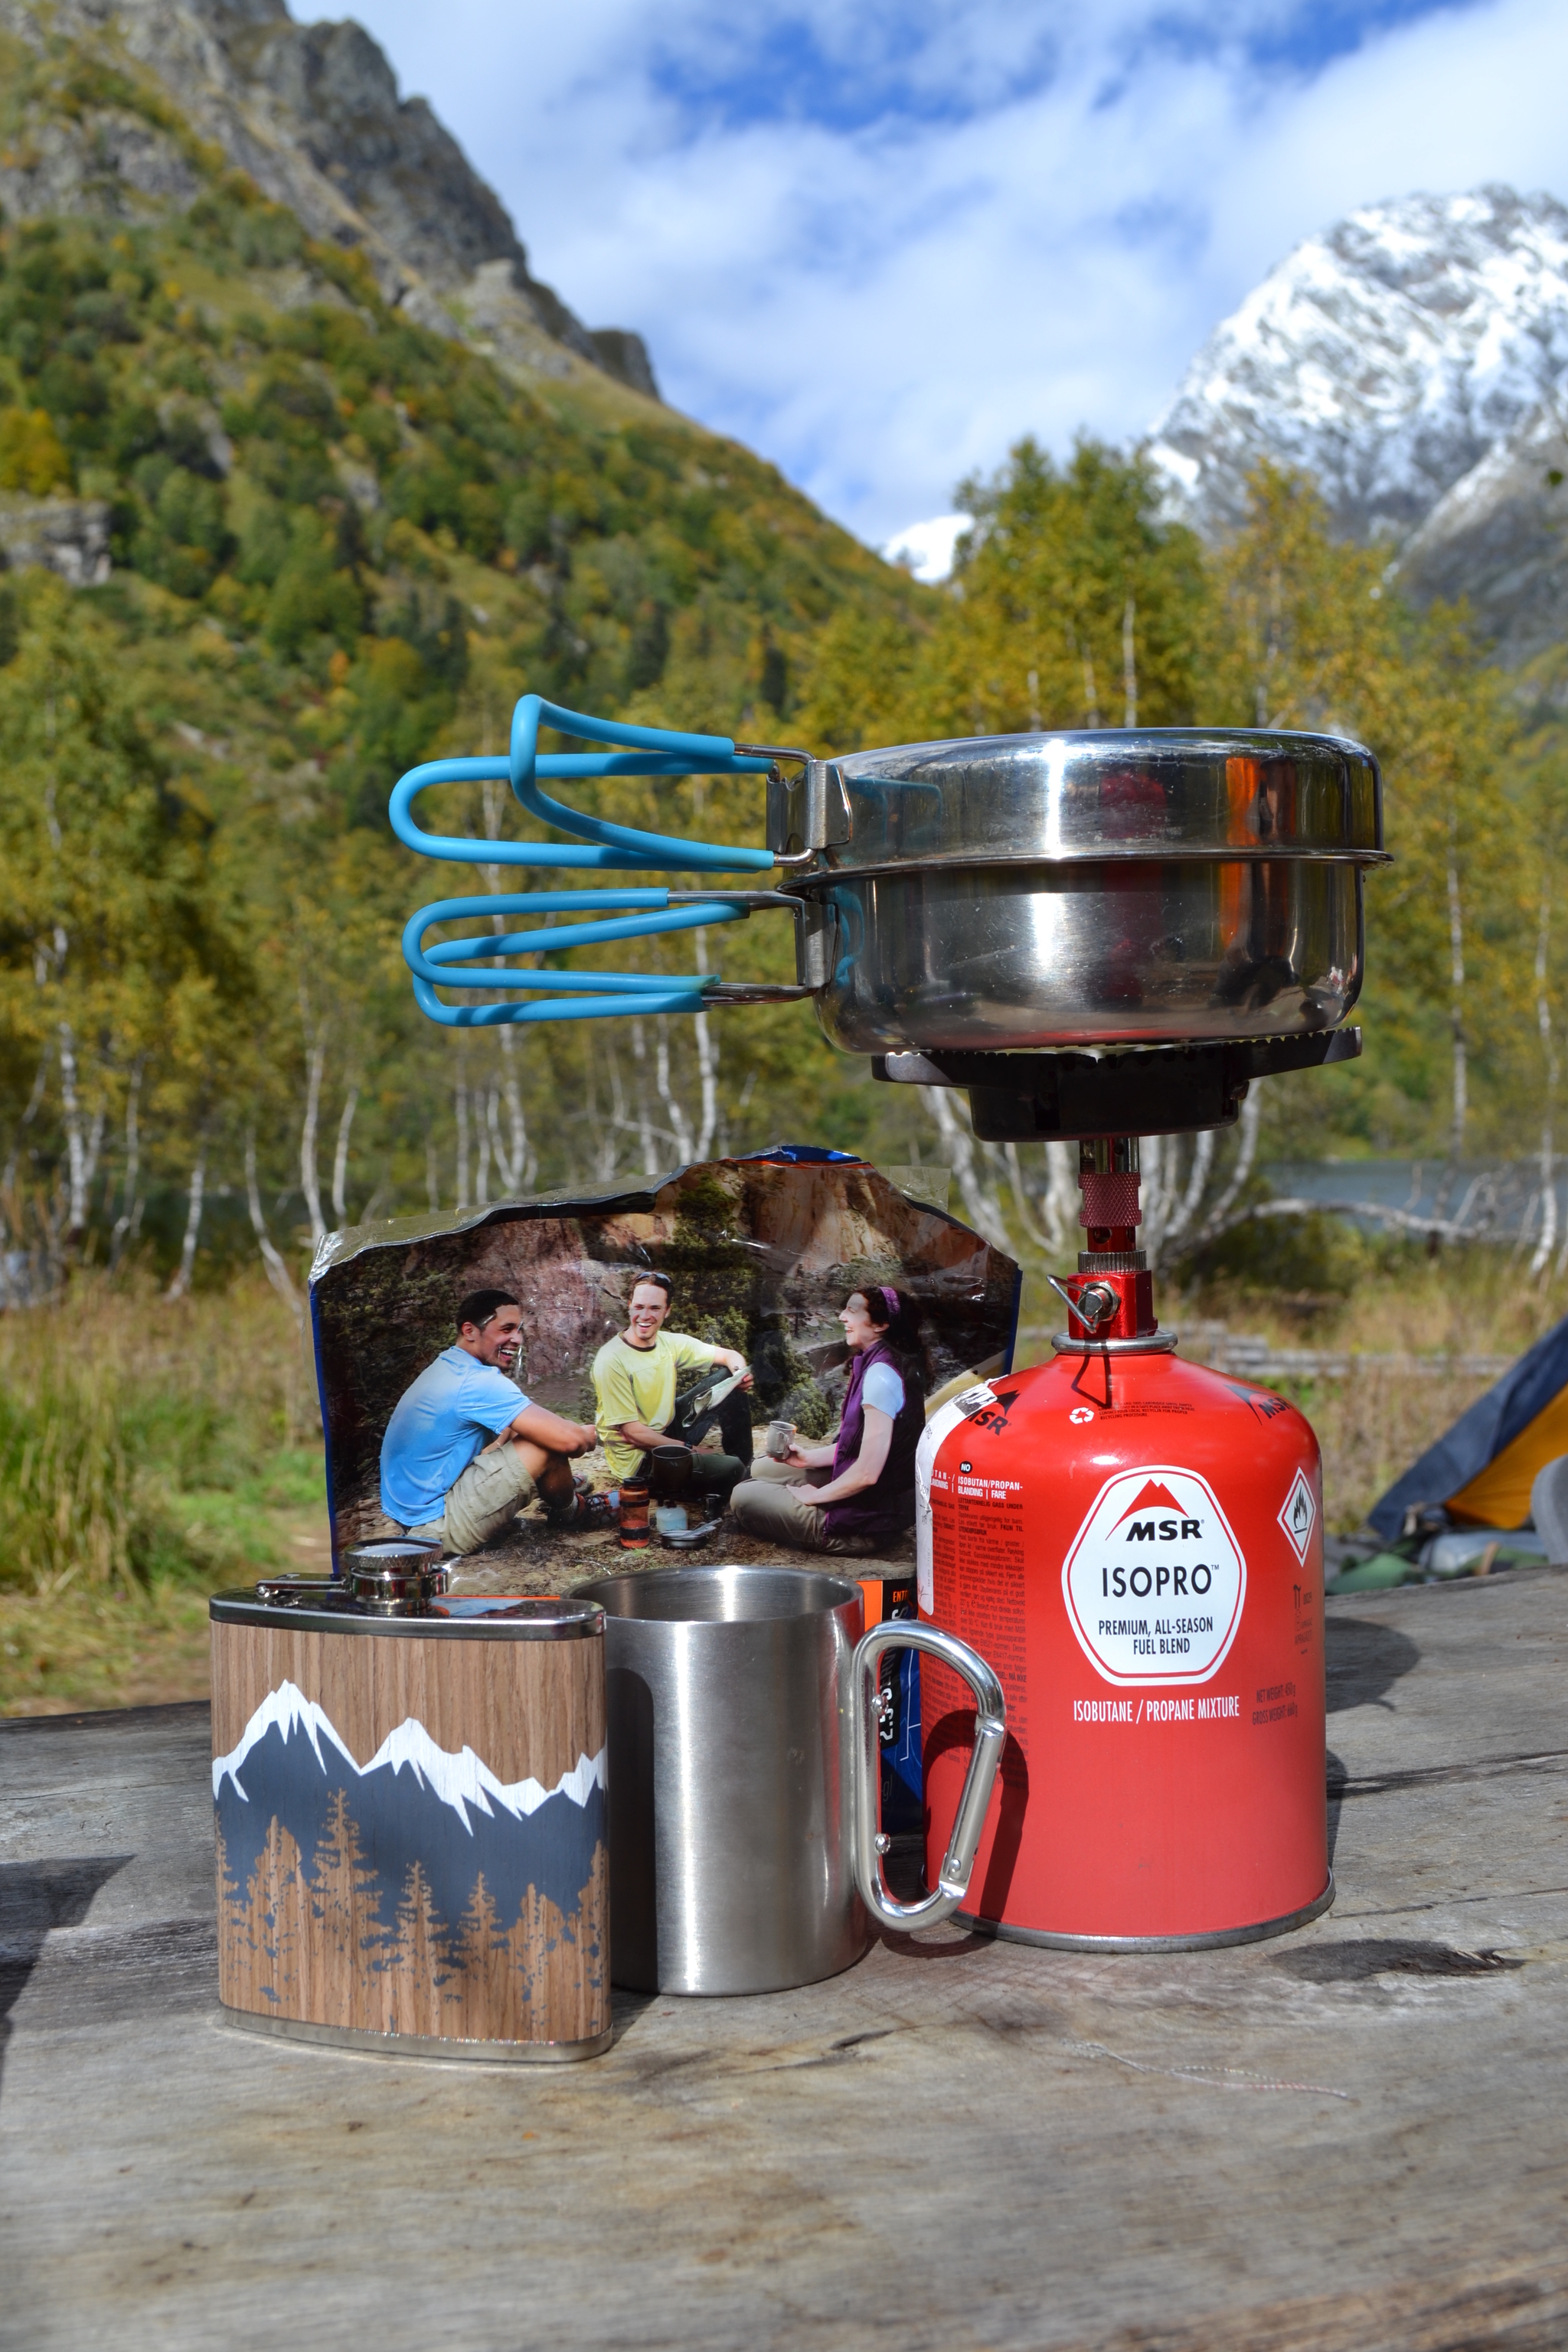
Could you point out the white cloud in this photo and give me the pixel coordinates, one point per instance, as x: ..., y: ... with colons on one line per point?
x: 956, y: 222
x: 927, y: 547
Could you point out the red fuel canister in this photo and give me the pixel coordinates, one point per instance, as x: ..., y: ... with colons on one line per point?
x: 1135, y: 1544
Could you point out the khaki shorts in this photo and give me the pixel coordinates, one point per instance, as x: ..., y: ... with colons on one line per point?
x: 774, y: 1514
x: 484, y: 1499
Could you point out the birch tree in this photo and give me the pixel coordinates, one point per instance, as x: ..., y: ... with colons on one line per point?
x: 105, y: 877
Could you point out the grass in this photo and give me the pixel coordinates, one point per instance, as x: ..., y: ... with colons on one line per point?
x: 152, y: 1453
x: 1371, y: 1429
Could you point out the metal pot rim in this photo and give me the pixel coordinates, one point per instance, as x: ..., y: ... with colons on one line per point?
x: 692, y: 1584
x: 1138, y: 791
x: 1164, y: 853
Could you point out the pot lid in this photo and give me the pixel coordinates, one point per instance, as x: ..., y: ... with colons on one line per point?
x: 1128, y: 793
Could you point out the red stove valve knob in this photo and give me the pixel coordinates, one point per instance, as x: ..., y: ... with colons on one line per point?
x: 1096, y: 1304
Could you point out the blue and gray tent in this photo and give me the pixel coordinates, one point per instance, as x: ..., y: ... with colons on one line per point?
x: 1483, y: 1469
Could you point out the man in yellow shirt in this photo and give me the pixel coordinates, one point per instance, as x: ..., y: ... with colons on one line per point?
x: 634, y: 1376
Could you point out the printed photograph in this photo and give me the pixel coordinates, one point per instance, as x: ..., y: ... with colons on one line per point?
x: 731, y: 1361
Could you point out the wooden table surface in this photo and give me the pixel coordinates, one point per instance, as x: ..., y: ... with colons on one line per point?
x: 1355, y: 2135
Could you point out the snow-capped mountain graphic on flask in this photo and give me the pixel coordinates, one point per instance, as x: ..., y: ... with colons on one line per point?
x: 397, y: 1879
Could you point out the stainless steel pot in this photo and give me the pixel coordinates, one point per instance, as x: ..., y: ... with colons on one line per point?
x: 744, y: 1772
x: 1029, y: 891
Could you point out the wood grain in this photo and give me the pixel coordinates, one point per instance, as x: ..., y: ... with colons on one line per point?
x: 347, y: 1934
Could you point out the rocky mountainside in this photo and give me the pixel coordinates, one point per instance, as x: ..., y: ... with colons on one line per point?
x: 312, y: 113
x: 1412, y: 359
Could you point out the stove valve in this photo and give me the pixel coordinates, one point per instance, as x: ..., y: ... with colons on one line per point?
x: 1095, y: 1304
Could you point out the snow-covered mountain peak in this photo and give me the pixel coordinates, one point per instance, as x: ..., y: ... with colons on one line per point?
x: 464, y: 1779
x: 458, y: 1780
x: 1387, y: 357
x: 287, y: 1711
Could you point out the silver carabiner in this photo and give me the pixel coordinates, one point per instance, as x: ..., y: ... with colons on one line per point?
x: 990, y: 1736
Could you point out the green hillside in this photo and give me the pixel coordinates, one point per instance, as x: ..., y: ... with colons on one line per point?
x: 340, y: 543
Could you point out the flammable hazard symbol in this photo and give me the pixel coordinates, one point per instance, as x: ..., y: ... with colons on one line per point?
x: 1155, y: 1579
x: 1298, y: 1515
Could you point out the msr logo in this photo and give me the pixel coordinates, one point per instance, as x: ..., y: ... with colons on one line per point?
x: 1147, y: 1524
x: 1259, y: 1401
x: 1155, y: 1581
x: 992, y: 1418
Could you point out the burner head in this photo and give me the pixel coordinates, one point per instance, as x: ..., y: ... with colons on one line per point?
x: 1144, y: 1090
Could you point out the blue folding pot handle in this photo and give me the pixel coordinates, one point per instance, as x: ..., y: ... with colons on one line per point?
x: 634, y: 914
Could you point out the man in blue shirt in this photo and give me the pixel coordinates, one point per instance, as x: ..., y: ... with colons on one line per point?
x: 465, y: 1449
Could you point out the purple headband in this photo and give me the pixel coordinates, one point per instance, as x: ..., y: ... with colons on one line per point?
x: 889, y: 1300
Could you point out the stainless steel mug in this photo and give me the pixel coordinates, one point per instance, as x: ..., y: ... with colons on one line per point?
x: 743, y: 1765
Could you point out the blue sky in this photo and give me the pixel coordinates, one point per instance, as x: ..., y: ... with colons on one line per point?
x: 880, y: 239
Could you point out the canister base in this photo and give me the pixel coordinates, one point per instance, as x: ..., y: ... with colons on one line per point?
x: 418, y: 2045
x: 1211, y: 1941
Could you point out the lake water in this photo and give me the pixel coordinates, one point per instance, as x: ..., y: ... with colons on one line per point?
x: 1498, y: 1199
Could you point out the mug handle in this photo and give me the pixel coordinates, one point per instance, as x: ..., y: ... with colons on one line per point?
x: 990, y: 1736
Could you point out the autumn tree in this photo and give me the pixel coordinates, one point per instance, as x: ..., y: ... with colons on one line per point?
x: 110, y: 947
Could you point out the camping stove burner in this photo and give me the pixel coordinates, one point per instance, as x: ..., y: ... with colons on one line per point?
x: 1147, y: 1090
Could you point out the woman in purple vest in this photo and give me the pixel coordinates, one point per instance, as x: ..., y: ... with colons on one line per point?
x: 869, y: 1501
